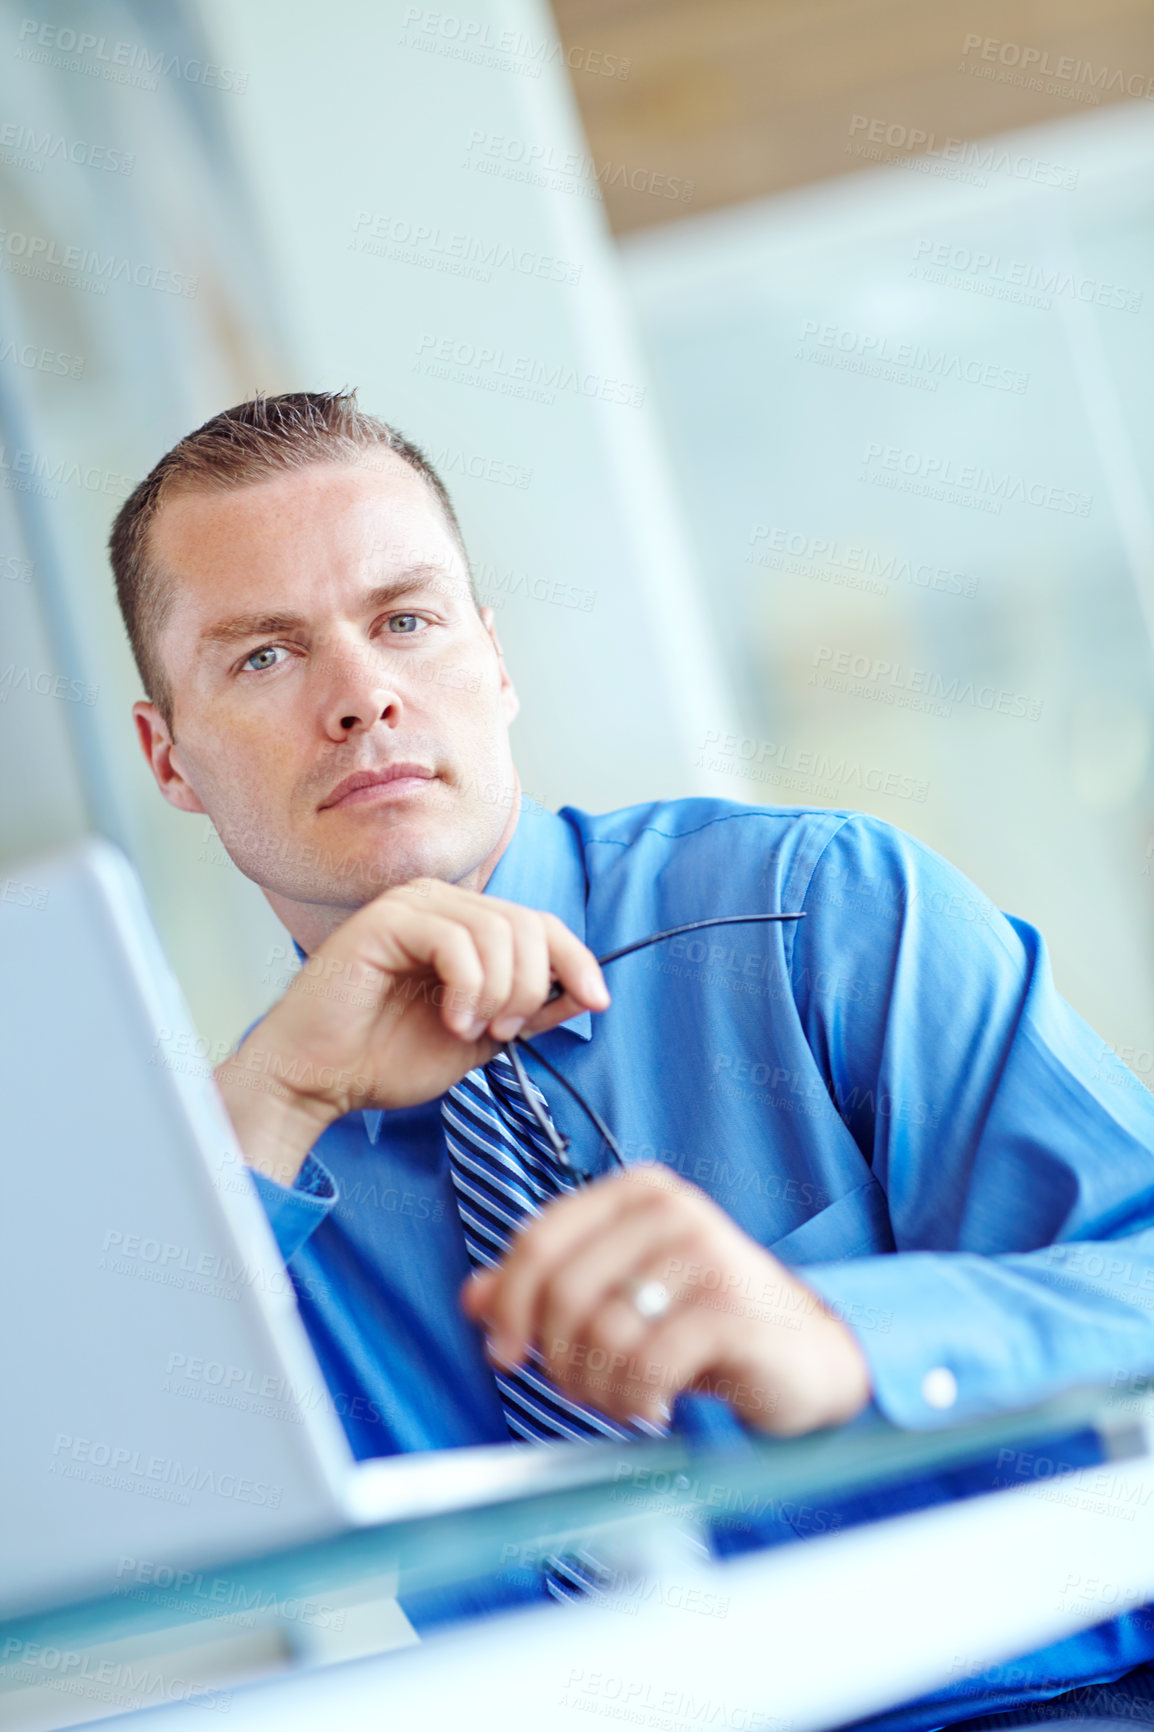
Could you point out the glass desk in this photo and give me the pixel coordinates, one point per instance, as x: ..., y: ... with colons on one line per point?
x: 179, y: 1640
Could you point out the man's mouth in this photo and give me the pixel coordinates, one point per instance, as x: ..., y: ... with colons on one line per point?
x: 367, y: 787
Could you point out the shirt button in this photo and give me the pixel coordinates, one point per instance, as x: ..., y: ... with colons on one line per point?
x: 939, y: 1387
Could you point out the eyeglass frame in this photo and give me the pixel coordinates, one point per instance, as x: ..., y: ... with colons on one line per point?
x: 558, y: 1142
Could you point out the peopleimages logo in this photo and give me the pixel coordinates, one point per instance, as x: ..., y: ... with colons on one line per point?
x: 37, y: 358
x: 112, y: 1683
x: 913, y: 688
x: 1019, y: 280
x: 218, y: 1596
x: 526, y: 376
x: 172, y: 1265
x: 35, y: 472
x: 1033, y: 64
x: 571, y: 171
x: 427, y: 244
x: 475, y: 40
x: 804, y: 770
x: 852, y: 564
x: 121, y: 62
x: 212, y: 1381
x: 24, y: 147
x: 24, y: 895
x: 986, y: 155
x: 31, y: 255
x: 45, y: 685
x: 132, y: 1470
x: 905, y: 362
x: 935, y: 475
x: 502, y: 473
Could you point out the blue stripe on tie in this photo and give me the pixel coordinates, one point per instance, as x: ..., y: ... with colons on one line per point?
x: 546, y: 1426
x: 540, y: 1394
x: 475, y: 1132
x: 504, y: 1172
x: 499, y: 1206
x: 483, y: 1134
x: 531, y: 1158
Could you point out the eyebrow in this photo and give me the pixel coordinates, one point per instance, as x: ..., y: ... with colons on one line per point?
x: 245, y: 625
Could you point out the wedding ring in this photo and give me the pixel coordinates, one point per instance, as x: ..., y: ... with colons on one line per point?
x: 650, y: 1299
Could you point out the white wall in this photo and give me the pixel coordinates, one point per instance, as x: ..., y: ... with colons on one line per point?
x: 795, y: 339
x: 256, y: 189
x: 372, y: 133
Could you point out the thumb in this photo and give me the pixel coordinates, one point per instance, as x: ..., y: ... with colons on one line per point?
x: 477, y: 1292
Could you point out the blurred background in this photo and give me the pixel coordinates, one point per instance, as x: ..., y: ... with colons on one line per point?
x: 788, y: 361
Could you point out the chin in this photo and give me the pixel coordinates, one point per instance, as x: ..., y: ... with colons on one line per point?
x: 410, y: 850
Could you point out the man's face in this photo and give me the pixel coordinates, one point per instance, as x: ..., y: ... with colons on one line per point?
x: 323, y: 629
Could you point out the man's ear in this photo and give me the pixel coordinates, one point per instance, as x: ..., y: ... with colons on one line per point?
x: 157, y: 745
x: 510, y: 702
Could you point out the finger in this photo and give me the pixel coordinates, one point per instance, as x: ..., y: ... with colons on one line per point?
x: 571, y: 961
x: 450, y: 950
x: 677, y: 1352
x: 370, y: 940
x: 520, y: 993
x: 507, y: 1305
x: 394, y: 933
x: 568, y: 959
x: 604, y: 1355
x: 492, y: 934
x: 476, y: 1292
x: 558, y: 1010
x: 548, y: 1241
x: 551, y: 1015
x: 474, y: 994
x: 400, y: 941
x: 604, y: 1366
x: 531, y: 973
x: 599, y: 1268
x: 575, y: 966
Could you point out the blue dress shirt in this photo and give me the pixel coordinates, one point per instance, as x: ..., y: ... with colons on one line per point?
x: 895, y: 1073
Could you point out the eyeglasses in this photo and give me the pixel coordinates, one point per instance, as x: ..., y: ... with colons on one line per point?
x: 559, y: 1143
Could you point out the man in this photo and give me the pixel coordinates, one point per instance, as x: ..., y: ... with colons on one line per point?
x: 886, y: 1070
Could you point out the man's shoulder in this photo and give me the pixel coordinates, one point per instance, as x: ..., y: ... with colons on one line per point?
x: 828, y: 854
x: 727, y: 841
x: 714, y: 823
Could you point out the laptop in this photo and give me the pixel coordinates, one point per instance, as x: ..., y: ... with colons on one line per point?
x: 162, y: 1400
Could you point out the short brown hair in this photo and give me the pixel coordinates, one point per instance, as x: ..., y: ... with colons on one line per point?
x: 255, y: 441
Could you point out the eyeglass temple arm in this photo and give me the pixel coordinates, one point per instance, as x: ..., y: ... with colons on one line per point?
x: 675, y: 932
x: 559, y: 1144
x: 546, y: 1128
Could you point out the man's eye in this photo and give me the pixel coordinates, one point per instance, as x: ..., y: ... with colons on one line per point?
x: 405, y: 623
x: 262, y: 658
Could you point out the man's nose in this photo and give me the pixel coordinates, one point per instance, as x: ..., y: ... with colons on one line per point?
x: 358, y: 695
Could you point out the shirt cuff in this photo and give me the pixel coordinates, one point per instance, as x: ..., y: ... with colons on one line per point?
x: 294, y: 1214
x: 929, y: 1365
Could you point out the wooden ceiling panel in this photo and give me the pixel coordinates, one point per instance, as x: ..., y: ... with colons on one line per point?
x: 743, y: 98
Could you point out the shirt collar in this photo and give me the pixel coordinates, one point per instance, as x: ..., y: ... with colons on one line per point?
x: 542, y: 867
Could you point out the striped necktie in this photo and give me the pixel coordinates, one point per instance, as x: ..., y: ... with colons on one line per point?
x: 505, y: 1173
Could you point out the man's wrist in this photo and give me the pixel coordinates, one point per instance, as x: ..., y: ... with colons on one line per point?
x: 275, y: 1127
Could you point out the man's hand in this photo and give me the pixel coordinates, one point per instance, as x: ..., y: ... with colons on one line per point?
x: 415, y: 989
x: 738, y: 1326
